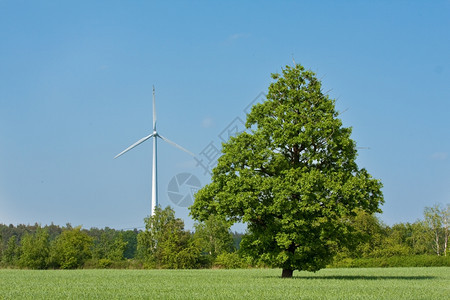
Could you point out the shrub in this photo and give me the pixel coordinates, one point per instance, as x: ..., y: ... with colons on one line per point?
x: 230, y: 261
x: 393, y: 261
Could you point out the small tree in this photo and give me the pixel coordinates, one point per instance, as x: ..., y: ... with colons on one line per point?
x: 293, y: 178
x: 446, y: 221
x: 110, y: 245
x: 71, y: 249
x: 419, y: 241
x: 433, y: 219
x: 394, y: 242
x: 165, y: 243
x: 366, y: 237
x: 130, y: 237
x: 214, y: 236
x: 35, y: 249
x: 11, y: 253
x: 1, y: 243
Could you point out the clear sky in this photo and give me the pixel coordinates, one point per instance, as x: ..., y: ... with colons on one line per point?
x: 76, y: 87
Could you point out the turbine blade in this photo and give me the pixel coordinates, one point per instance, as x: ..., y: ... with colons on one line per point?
x: 176, y: 145
x: 135, y: 144
x: 154, y: 111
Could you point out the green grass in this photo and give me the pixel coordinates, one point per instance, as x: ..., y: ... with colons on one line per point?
x: 371, y: 283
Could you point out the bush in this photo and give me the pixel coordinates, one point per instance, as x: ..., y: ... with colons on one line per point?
x: 106, y: 263
x: 230, y: 261
x: 393, y: 261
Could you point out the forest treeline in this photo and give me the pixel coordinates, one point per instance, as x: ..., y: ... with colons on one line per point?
x: 164, y: 243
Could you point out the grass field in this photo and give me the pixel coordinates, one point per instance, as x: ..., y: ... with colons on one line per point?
x: 376, y: 283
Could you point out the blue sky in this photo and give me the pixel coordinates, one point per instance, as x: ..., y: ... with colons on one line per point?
x: 76, y: 85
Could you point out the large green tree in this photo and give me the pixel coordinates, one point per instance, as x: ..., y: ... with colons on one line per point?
x: 292, y: 178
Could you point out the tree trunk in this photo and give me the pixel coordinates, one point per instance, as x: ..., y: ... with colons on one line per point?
x: 446, y: 215
x: 437, y: 242
x: 445, y: 240
x: 287, y: 273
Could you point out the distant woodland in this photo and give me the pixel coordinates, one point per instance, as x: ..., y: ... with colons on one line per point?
x: 164, y: 243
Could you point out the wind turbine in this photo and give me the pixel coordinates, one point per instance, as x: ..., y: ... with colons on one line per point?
x: 155, y: 135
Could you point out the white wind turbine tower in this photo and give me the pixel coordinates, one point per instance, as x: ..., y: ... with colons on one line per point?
x: 155, y: 135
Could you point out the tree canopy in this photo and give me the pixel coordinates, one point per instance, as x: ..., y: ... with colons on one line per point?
x: 291, y: 177
x: 214, y: 236
x: 165, y: 243
x: 72, y: 248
